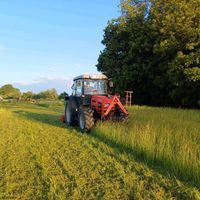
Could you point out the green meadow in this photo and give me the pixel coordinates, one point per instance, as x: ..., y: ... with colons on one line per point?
x: 153, y: 155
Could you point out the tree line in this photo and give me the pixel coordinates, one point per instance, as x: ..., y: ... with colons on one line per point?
x: 9, y: 92
x: 153, y: 48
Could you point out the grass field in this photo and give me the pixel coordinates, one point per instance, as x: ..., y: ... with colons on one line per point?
x: 155, y: 155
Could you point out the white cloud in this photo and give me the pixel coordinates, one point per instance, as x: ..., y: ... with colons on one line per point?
x: 43, y: 83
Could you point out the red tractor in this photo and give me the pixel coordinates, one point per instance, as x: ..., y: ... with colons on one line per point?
x: 90, y: 101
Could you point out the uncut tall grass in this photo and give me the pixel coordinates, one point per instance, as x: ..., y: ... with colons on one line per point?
x: 163, y: 137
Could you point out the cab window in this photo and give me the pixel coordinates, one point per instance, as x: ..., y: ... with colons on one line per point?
x: 95, y: 87
x: 77, y: 88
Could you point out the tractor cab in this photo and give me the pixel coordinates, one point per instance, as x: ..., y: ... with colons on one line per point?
x: 90, y: 85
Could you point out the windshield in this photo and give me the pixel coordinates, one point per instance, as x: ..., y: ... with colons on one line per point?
x: 95, y: 87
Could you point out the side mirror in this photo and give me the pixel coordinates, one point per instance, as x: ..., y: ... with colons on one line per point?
x: 111, y: 84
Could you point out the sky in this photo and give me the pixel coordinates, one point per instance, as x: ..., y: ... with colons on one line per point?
x: 45, y: 43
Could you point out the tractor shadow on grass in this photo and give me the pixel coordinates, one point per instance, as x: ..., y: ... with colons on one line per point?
x: 49, y: 119
x: 134, y: 153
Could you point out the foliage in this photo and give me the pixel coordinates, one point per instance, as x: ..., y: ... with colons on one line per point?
x: 9, y: 92
x: 153, y: 49
x: 27, y: 95
x: 113, y: 162
x: 47, y: 94
x: 62, y: 95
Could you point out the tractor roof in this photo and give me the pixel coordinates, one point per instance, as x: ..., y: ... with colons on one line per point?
x: 91, y: 76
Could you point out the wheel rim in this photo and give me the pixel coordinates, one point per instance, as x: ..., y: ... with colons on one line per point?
x: 81, y: 121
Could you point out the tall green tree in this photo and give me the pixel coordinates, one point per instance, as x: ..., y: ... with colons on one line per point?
x: 153, y: 49
x: 177, y: 24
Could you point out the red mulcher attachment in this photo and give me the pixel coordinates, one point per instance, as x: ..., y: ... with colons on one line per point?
x: 108, y: 107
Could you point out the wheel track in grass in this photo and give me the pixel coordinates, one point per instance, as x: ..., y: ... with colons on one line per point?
x: 65, y: 164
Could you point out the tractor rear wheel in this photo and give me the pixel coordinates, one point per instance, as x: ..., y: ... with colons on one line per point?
x: 69, y: 118
x: 86, y: 119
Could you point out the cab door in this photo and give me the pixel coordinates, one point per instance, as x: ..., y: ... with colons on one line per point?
x: 75, y: 100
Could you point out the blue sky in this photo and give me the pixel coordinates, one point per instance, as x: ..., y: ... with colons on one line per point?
x: 45, y: 43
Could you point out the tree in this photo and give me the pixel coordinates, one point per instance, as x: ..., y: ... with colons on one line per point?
x: 62, y: 95
x: 48, y: 94
x: 128, y: 52
x: 177, y: 23
x: 9, y: 92
x: 153, y: 49
x: 27, y: 95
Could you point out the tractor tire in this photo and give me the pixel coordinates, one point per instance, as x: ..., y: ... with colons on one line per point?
x: 69, y: 117
x: 86, y: 119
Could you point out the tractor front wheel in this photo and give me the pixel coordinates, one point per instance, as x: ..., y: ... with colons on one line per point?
x: 86, y: 119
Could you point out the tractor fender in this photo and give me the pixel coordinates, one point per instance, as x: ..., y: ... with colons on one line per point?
x: 75, y: 104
